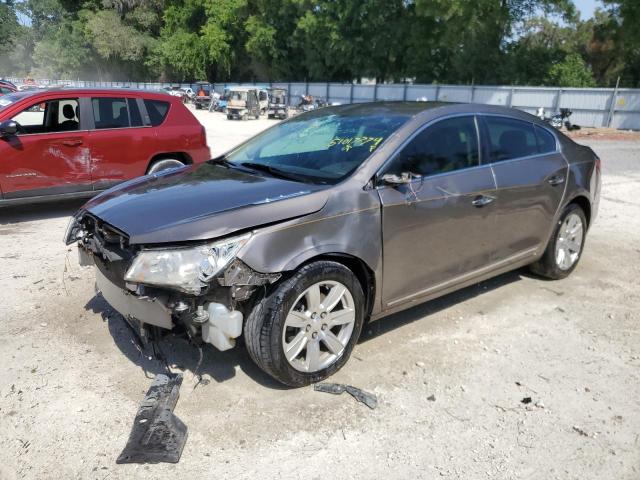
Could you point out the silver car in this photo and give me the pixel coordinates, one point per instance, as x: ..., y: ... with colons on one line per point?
x: 335, y: 218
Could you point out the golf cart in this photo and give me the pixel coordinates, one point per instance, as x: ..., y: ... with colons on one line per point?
x: 278, y: 103
x: 202, y: 98
x: 243, y: 103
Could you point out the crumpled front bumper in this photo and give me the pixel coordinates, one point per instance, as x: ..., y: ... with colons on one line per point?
x: 149, y: 310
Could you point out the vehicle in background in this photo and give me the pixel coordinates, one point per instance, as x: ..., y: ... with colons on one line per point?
x: 243, y: 103
x: 220, y: 105
x: 299, y: 236
x: 215, y: 97
x: 28, y: 88
x: 263, y: 99
x: 309, y: 102
x: 7, y: 87
x: 175, y: 92
x: 188, y: 92
x: 559, y: 120
x: 69, y: 143
x: 278, y: 103
x: 4, y: 81
x: 202, y: 98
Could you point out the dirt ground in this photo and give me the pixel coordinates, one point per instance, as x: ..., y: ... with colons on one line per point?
x: 450, y: 375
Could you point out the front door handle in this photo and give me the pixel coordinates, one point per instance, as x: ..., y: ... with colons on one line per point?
x: 556, y: 180
x: 72, y: 143
x: 482, y: 200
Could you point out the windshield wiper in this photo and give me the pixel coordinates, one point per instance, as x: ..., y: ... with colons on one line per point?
x: 275, y: 172
x: 221, y: 161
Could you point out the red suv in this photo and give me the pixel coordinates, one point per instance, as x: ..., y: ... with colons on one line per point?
x: 69, y: 143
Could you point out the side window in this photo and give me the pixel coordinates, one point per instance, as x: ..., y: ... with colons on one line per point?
x: 134, y: 113
x: 509, y: 138
x: 157, y: 110
x: 59, y: 115
x: 546, y: 140
x: 446, y: 146
x: 110, y: 112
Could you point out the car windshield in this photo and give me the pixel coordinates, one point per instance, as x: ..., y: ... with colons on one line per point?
x: 238, y: 95
x: 317, y: 147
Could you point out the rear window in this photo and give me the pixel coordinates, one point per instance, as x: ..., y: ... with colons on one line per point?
x: 110, y: 112
x: 510, y: 138
x: 546, y: 140
x: 157, y: 110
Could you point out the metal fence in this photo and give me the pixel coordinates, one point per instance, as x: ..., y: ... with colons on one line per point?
x: 592, y: 107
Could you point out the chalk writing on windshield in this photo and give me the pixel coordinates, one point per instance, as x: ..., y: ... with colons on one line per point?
x: 351, y: 142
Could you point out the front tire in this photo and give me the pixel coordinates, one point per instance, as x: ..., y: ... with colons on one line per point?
x: 305, y: 328
x: 565, y: 247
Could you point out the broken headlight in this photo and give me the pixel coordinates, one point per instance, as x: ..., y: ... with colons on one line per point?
x: 185, y: 269
x: 74, y: 232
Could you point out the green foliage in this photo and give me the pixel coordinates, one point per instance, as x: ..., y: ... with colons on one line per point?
x: 518, y: 42
x: 571, y: 72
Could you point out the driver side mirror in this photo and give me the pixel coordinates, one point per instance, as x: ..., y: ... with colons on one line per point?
x: 8, y: 128
x: 395, y: 180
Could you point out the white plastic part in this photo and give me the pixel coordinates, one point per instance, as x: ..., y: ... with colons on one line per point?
x: 223, y: 326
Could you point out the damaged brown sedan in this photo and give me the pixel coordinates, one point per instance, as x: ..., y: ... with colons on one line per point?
x: 339, y: 216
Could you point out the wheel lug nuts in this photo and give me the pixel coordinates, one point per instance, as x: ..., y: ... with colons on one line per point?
x: 308, y: 328
x: 314, y: 315
x: 324, y: 326
x: 315, y: 335
x: 323, y: 314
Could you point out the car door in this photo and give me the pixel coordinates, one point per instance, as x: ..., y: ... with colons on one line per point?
x: 531, y: 176
x: 119, y: 139
x: 49, y: 154
x: 437, y: 230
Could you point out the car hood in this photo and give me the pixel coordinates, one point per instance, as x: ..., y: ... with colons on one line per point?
x: 202, y: 202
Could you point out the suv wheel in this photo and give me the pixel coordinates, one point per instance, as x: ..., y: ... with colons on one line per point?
x: 164, y: 164
x: 565, y: 247
x: 304, y: 330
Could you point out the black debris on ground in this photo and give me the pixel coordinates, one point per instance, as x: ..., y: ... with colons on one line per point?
x: 369, y: 399
x: 157, y: 434
x: 526, y: 400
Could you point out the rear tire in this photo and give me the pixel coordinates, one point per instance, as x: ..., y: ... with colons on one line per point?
x: 164, y: 164
x: 565, y: 247
x: 296, y: 339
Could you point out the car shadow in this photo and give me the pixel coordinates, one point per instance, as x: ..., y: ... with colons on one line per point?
x: 177, y: 352
x: 39, y: 211
x: 397, y: 320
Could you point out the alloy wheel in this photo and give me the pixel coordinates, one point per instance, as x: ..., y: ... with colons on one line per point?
x: 569, y: 241
x: 319, y: 326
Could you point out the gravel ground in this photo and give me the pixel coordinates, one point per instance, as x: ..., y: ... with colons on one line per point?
x: 450, y: 375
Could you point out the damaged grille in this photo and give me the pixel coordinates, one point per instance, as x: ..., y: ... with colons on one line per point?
x: 110, y: 247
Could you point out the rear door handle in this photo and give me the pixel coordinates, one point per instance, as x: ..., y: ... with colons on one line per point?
x: 72, y: 143
x: 556, y: 180
x: 482, y: 200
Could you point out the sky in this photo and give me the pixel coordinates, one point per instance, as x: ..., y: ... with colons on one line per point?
x: 586, y: 7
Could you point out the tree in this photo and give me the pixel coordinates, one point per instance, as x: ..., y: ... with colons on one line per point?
x: 571, y: 72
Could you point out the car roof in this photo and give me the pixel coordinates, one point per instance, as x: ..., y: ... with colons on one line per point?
x: 93, y: 91
x: 431, y: 109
